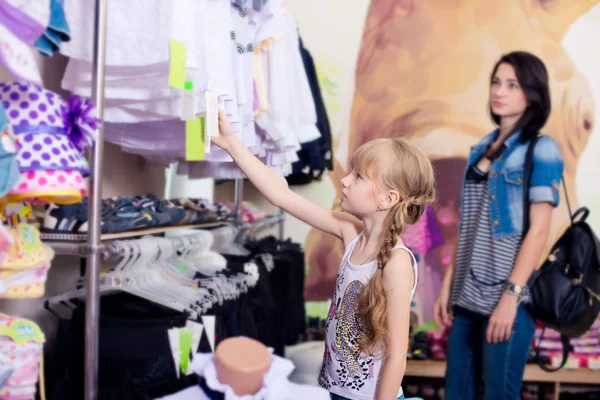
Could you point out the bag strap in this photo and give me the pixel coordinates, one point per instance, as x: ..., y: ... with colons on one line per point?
x: 566, y: 347
x: 526, y: 180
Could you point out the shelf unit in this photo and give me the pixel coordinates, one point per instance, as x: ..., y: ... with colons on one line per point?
x: 52, y: 238
x: 533, y: 373
x: 91, y: 245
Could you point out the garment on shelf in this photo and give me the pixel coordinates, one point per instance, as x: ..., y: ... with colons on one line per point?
x: 24, y: 264
x: 52, y: 134
x: 585, y: 349
x: 21, y: 348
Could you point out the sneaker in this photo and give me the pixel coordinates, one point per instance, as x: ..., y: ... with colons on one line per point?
x: 66, y: 218
x: 420, y: 349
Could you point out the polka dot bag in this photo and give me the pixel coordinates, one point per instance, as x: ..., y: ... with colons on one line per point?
x: 52, y: 135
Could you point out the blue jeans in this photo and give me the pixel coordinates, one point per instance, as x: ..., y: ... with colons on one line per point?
x: 336, y: 397
x: 470, y: 358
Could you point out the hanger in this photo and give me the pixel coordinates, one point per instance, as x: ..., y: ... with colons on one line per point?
x: 162, y: 270
x: 225, y: 241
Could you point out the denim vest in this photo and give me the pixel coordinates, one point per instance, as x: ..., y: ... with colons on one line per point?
x: 505, y: 180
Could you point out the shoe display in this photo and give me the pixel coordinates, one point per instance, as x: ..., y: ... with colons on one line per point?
x: 122, y: 214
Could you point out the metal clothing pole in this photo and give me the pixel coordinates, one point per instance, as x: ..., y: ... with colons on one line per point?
x: 281, y: 224
x: 92, y: 305
x: 239, y: 199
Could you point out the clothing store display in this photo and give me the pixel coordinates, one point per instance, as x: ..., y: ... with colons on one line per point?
x: 275, y: 384
x: 136, y: 360
x: 24, y: 264
x: 52, y: 134
x: 240, y: 366
x: 346, y: 371
x: 143, y: 114
x: 127, y: 214
x: 135, y: 353
x: 584, y: 353
x: 21, y: 344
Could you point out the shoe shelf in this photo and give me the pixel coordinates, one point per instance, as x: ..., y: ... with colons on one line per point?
x: 533, y: 373
x: 50, y: 238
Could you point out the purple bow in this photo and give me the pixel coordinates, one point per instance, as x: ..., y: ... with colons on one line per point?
x: 80, y: 122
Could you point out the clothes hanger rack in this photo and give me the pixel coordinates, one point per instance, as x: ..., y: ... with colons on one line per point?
x: 94, y: 250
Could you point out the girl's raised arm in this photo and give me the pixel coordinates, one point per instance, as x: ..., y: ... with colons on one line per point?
x: 339, y: 224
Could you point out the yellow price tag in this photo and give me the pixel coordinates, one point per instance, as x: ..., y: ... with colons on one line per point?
x: 194, y: 139
x: 177, y: 67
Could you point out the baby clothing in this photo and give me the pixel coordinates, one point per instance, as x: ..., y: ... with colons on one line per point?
x: 52, y: 134
x: 21, y: 348
x: 276, y: 385
x: 346, y: 371
x: 25, y: 264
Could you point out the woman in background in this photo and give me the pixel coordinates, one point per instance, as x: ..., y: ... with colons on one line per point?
x: 485, y: 290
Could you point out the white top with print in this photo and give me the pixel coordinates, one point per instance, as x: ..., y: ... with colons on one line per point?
x: 346, y: 371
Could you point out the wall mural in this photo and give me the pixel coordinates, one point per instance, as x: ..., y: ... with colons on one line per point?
x: 423, y: 73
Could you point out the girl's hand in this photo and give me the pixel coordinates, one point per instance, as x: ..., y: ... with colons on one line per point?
x: 502, y: 319
x: 225, y: 132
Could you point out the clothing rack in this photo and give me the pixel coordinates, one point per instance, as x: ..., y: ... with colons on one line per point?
x: 94, y: 250
x: 110, y: 250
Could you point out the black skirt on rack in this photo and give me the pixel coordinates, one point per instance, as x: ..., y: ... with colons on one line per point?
x: 135, y: 360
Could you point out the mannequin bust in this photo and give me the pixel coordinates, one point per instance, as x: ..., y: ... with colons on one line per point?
x: 241, y: 363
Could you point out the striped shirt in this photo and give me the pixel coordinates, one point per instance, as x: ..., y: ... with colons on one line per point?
x: 483, y: 264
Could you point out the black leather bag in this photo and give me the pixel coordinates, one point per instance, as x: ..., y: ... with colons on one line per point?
x: 564, y: 291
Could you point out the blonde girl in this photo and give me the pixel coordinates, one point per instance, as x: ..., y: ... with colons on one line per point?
x: 389, y: 186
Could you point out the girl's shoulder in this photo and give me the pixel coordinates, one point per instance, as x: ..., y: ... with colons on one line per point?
x: 351, y: 233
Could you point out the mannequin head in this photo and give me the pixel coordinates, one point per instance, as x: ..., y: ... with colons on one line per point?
x: 241, y: 363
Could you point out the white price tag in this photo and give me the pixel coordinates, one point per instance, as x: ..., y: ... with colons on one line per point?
x: 212, y: 114
x: 188, y: 105
x: 17, y: 57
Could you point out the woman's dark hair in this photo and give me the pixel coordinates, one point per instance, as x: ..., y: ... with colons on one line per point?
x: 533, y: 79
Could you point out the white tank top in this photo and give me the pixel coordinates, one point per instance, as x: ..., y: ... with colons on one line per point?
x: 346, y: 371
